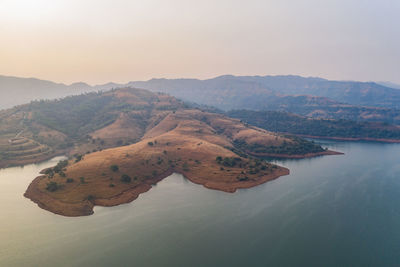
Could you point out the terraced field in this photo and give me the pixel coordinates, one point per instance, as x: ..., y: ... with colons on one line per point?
x: 21, y: 149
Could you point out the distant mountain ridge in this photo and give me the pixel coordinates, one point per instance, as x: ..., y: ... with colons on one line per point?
x: 390, y: 85
x: 311, y: 96
x: 16, y: 91
x: 349, y: 92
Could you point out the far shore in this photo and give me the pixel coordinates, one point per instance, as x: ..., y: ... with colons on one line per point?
x: 367, y: 139
x: 287, y: 156
x: 36, y: 160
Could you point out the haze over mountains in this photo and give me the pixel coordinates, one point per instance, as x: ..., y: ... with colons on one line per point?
x: 313, y: 97
x: 390, y: 84
x: 354, y: 93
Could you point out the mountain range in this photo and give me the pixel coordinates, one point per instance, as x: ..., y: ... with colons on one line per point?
x: 312, y: 97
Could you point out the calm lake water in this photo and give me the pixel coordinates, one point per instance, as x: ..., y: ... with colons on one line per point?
x: 330, y: 211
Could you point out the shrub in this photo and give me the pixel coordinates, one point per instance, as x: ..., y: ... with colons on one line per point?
x: 52, y: 186
x: 126, y: 178
x: 60, y: 165
x: 111, y: 185
x: 119, y: 142
x: 78, y: 158
x: 150, y: 143
x: 244, y: 178
x: 185, y: 166
x: 263, y: 167
x: 49, y: 171
x: 114, y: 168
x: 82, y: 179
x: 70, y: 180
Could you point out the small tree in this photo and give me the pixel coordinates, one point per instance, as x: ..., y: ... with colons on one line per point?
x: 52, y: 186
x: 114, y: 168
x: 185, y: 166
x: 126, y: 178
x: 78, y: 158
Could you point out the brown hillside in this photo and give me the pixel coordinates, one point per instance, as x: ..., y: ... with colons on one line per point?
x: 146, y: 137
x: 182, y: 149
x: 184, y: 141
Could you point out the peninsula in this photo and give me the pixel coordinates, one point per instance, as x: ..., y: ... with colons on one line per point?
x: 121, y: 142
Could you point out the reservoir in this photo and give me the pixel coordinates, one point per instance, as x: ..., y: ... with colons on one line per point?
x: 330, y: 211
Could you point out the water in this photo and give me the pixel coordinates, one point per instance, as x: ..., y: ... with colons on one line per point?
x: 330, y: 211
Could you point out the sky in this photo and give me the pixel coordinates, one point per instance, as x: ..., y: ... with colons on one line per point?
x: 99, y: 41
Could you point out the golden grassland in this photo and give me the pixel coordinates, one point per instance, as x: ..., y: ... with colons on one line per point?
x: 146, y: 138
x: 185, y: 142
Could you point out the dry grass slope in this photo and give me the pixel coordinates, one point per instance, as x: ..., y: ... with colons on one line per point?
x: 126, y: 141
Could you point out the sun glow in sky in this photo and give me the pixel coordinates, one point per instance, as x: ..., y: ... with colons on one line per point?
x: 119, y: 40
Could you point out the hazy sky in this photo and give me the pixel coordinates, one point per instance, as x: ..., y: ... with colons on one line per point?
x: 115, y: 40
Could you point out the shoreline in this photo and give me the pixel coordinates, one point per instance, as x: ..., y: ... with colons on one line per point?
x: 85, y: 208
x: 287, y: 156
x: 17, y: 163
x: 233, y: 187
x: 367, y: 139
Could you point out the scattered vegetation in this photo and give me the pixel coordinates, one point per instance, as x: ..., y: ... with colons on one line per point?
x: 114, y: 168
x: 125, y: 178
x: 53, y: 186
x: 298, y: 146
x: 295, y: 124
x: 60, y: 166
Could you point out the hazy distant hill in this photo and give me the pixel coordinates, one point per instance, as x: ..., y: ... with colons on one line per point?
x: 314, y: 97
x: 327, y: 128
x: 222, y: 92
x: 390, y: 84
x: 16, y: 91
x: 237, y: 91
